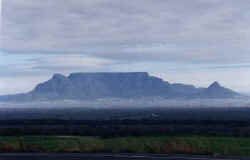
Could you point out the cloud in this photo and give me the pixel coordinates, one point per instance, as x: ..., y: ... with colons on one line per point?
x: 70, y: 62
x: 191, y: 42
x: 201, y: 31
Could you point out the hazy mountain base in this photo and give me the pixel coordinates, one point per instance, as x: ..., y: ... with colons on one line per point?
x: 133, y: 103
x: 106, y: 109
x: 109, y: 118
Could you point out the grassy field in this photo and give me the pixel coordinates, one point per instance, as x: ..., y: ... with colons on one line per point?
x: 159, y: 144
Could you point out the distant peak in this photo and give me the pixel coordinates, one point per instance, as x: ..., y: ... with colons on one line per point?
x: 215, y: 85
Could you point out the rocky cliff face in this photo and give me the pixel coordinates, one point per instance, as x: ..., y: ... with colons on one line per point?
x: 120, y: 85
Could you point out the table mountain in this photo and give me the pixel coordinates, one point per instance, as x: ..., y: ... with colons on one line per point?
x: 83, y: 86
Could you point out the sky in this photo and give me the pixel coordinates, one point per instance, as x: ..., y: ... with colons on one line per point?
x: 194, y: 42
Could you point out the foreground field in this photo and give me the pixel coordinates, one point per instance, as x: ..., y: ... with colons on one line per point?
x: 113, y: 156
x: 159, y: 144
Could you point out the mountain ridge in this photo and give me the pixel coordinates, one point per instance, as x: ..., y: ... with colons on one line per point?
x: 83, y: 86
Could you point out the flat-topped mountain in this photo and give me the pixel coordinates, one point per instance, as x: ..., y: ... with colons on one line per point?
x: 83, y: 86
x: 101, y: 85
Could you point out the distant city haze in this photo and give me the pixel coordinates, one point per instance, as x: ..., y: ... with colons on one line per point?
x: 191, y: 42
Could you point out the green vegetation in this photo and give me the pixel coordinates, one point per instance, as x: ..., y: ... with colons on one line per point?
x: 148, y: 144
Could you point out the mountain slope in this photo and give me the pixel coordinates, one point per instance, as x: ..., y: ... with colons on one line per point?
x: 82, y: 86
x: 216, y: 90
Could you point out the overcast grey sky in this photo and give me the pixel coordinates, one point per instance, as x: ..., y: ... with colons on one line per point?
x: 195, y: 42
